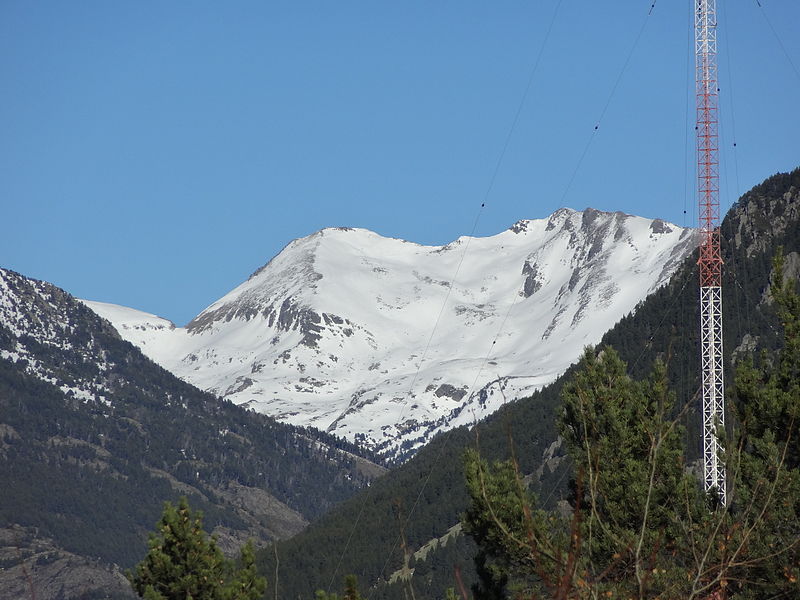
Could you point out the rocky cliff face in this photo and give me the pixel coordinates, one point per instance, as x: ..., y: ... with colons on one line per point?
x: 764, y: 219
x: 387, y: 342
x: 761, y: 209
x: 36, y: 567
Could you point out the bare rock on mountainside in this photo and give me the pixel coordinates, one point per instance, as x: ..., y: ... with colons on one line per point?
x: 262, y: 512
x: 38, y: 568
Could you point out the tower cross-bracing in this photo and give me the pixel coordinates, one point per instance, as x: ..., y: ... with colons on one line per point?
x: 710, y: 261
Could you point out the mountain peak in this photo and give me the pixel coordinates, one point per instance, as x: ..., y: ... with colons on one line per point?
x: 379, y: 339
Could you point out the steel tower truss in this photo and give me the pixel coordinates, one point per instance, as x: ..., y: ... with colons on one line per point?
x: 710, y: 261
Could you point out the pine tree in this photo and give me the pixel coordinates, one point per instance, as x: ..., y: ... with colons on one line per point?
x: 629, y: 484
x: 496, y: 520
x: 351, y: 588
x: 350, y: 591
x: 183, y: 562
x: 639, y: 526
x: 635, y: 496
x: 767, y: 404
x: 622, y: 440
x: 246, y: 583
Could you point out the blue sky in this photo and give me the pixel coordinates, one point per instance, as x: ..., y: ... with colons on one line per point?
x: 154, y: 154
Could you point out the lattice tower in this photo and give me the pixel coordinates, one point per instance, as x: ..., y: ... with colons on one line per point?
x: 710, y: 261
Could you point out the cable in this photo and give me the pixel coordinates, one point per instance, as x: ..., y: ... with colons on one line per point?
x: 726, y: 170
x: 684, y: 320
x: 485, y: 198
x: 464, y: 253
x: 736, y: 265
x: 449, y: 291
x: 778, y: 38
x: 522, y: 102
x: 489, y: 188
x: 689, y: 55
x: 577, y: 168
x: 575, y: 172
x: 661, y: 323
x: 607, y: 104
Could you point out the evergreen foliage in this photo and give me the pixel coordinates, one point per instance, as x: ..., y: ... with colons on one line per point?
x: 183, y: 562
x: 767, y: 464
x: 92, y: 475
x: 638, y: 526
x: 615, y: 428
x: 350, y: 591
x: 630, y: 485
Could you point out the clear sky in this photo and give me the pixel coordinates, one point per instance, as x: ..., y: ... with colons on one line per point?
x: 155, y: 153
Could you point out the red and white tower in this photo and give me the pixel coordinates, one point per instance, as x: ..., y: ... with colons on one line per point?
x: 710, y: 261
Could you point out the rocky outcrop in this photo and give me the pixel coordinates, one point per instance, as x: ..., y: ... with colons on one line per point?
x: 37, y: 568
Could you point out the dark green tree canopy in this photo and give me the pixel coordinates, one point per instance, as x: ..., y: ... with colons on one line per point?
x: 183, y: 562
x: 637, y: 524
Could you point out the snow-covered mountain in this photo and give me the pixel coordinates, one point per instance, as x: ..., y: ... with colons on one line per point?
x: 388, y: 342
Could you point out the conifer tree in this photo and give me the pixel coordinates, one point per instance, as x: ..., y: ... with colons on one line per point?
x: 638, y: 525
x: 183, y: 562
x: 767, y: 402
x: 351, y: 588
x: 629, y: 469
x: 246, y: 583
x: 350, y: 591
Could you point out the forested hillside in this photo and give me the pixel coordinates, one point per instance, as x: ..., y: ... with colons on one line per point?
x: 94, y: 437
x: 425, y: 497
x: 637, y: 522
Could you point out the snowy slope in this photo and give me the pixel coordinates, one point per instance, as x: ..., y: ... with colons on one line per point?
x: 134, y: 324
x: 37, y: 320
x: 364, y: 336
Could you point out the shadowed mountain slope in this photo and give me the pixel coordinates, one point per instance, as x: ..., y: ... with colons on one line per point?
x: 94, y: 437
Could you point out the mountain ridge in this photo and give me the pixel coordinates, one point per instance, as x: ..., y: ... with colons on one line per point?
x: 94, y: 436
x: 336, y: 331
